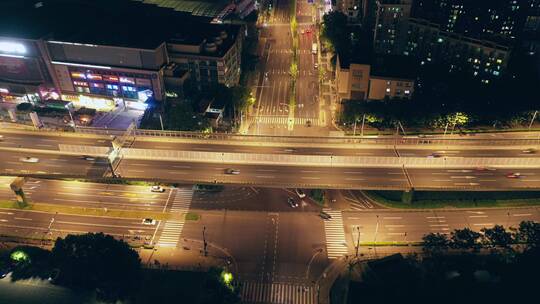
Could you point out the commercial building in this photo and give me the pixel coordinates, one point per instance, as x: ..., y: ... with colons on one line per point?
x: 212, y: 54
x: 380, y: 78
x: 351, y: 8
x: 98, y: 65
x: 216, y: 10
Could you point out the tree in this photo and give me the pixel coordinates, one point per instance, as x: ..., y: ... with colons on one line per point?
x: 29, y: 262
x: 465, y: 239
x: 97, y: 261
x: 218, y: 288
x: 497, y: 236
x: 529, y: 233
x: 336, y: 30
x: 435, y: 242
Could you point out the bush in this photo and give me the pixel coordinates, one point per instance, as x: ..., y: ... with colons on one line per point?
x: 25, y: 107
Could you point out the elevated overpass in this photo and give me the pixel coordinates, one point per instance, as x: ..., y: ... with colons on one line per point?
x: 453, y: 163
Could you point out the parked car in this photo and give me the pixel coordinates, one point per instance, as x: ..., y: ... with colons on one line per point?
x: 88, y: 158
x: 513, y: 175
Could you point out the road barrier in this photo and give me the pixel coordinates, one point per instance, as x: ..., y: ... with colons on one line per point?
x: 328, y: 160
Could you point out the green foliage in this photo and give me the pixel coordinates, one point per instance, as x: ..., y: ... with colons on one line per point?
x: 25, y: 107
x: 317, y: 195
x: 336, y: 31
x: 30, y: 262
x: 529, y: 233
x: 435, y: 242
x: 465, y: 239
x: 497, y: 236
x: 97, y: 262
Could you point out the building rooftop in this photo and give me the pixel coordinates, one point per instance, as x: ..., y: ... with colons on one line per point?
x: 203, y: 8
x: 122, y: 23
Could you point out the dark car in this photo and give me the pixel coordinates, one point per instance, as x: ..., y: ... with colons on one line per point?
x: 324, y: 215
x: 292, y: 203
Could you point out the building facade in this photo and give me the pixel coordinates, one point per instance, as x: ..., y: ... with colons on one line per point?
x: 24, y: 72
x: 483, y: 59
x: 212, y: 57
x: 367, y: 81
x: 390, y: 25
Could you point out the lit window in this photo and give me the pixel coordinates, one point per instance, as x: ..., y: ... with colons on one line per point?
x: 407, y: 92
x: 387, y: 90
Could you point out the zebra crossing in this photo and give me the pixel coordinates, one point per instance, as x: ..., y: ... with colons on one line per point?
x: 278, y: 293
x: 170, y: 235
x: 335, y: 235
x: 284, y: 120
x: 172, y: 230
x: 182, y: 200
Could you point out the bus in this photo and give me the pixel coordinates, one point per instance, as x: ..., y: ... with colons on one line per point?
x: 314, y: 49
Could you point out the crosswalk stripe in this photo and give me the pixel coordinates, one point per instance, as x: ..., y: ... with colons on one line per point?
x: 277, y: 293
x: 284, y: 120
x: 335, y: 235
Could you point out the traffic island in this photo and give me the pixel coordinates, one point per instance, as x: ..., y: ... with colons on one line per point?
x: 454, y: 199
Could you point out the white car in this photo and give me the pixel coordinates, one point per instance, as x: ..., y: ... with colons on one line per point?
x: 157, y: 189
x: 148, y: 222
x: 29, y: 159
x: 529, y: 151
x: 300, y: 193
x: 232, y: 171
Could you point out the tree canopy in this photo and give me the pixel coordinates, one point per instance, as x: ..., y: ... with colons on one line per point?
x: 97, y: 261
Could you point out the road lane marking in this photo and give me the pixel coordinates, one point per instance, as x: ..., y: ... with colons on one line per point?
x: 477, y: 216
x: 264, y: 176
x: 395, y: 173
x: 23, y: 218
x: 394, y: 226
x: 435, y: 217
x: 442, y: 180
x: 303, y: 177
x: 8, y: 213
x: 141, y: 165
x: 392, y: 218
x: 522, y: 214
x: 459, y: 171
x: 396, y: 233
x: 398, y: 180
x: 354, y: 179
x: 484, y: 224
x: 44, y: 145
x: 177, y: 172
x: 106, y: 225
x: 487, y: 180
x: 309, y: 171
x: 182, y: 167
x: 265, y: 170
x: 353, y: 172
x: 438, y: 225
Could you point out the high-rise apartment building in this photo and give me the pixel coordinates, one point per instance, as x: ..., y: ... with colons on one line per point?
x: 390, y: 20
x: 474, y: 18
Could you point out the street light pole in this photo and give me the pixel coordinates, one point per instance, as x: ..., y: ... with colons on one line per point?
x: 362, y: 129
x: 533, y: 118
x: 205, y: 244
x: 357, y: 241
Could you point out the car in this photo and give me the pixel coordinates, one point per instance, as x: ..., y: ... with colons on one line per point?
x: 434, y: 155
x: 324, y: 215
x: 232, y: 171
x: 156, y: 188
x: 1, y: 137
x: 300, y: 193
x: 302, y: 31
x: 29, y: 159
x: 289, y: 150
x: 529, y: 151
x: 54, y: 275
x: 316, y: 65
x: 308, y: 123
x: 513, y: 175
x: 308, y: 31
x: 148, y: 222
x: 88, y: 158
x: 291, y: 202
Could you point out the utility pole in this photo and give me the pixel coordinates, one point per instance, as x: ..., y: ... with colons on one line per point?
x: 362, y: 129
x: 533, y: 118
x: 354, y: 128
x: 205, y: 244
x: 357, y: 241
